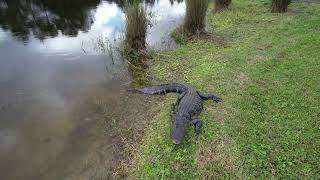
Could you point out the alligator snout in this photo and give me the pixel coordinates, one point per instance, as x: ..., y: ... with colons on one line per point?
x: 176, y: 142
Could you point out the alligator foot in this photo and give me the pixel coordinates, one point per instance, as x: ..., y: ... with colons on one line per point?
x: 216, y: 99
x: 197, y: 125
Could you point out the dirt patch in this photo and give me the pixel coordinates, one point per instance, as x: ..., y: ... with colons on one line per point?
x: 252, y: 61
x: 243, y: 80
x: 216, y: 160
x: 217, y: 39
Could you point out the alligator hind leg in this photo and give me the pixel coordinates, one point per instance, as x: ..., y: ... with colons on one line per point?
x: 197, y: 123
x: 206, y: 97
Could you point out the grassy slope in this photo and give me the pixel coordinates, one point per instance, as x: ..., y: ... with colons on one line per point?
x: 266, y: 67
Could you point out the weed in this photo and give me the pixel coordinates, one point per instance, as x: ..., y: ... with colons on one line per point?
x: 134, y: 44
x: 280, y: 6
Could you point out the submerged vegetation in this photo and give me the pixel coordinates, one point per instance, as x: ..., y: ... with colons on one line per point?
x: 267, y: 127
x: 280, y: 6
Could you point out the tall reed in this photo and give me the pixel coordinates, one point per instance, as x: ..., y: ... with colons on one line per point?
x: 280, y: 6
x: 195, y: 19
x: 135, y: 31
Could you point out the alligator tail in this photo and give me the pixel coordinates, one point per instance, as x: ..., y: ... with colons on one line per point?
x: 160, y: 89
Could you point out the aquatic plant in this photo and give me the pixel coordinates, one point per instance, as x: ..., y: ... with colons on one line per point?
x: 220, y: 5
x: 137, y: 21
x: 195, y: 21
x: 280, y: 6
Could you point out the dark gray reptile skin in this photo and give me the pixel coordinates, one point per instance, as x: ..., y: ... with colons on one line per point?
x: 190, y: 104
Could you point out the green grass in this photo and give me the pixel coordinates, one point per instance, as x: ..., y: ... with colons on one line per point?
x: 266, y: 67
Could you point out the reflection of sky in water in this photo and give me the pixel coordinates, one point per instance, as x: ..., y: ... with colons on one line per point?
x: 7, y: 140
x: 165, y: 9
x: 108, y: 23
x: 166, y: 18
x: 108, y: 19
x: 2, y: 35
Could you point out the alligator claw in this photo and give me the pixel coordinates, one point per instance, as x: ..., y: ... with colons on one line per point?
x: 197, y: 126
x: 197, y: 130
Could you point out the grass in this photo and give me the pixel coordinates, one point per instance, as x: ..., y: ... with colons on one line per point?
x: 268, y: 75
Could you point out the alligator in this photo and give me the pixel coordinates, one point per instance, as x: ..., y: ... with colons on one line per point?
x: 190, y: 105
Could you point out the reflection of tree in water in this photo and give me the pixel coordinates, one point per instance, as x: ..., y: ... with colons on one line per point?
x: 173, y: 1
x: 44, y: 18
x: 124, y: 3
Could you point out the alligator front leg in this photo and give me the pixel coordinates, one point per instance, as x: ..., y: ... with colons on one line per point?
x: 197, y: 123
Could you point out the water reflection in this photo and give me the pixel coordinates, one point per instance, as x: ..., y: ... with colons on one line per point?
x: 46, y: 76
x: 48, y: 18
x: 173, y: 1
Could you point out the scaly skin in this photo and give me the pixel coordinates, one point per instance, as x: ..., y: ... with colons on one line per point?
x: 190, y: 104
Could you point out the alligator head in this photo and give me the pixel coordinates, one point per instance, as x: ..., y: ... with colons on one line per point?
x: 180, y: 125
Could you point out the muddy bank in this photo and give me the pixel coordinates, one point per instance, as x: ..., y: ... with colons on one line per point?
x: 114, y: 130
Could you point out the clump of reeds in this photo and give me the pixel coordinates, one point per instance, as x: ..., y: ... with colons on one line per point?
x: 220, y: 5
x: 195, y: 19
x: 138, y: 74
x: 280, y: 6
x: 136, y: 25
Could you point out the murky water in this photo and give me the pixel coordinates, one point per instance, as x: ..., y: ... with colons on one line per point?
x: 52, y: 71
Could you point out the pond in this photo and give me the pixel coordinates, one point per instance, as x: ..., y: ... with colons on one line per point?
x: 55, y: 74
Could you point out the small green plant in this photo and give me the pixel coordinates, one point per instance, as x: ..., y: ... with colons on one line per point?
x: 179, y: 36
x: 220, y: 5
x: 280, y: 6
x: 138, y: 73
